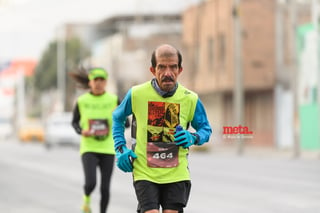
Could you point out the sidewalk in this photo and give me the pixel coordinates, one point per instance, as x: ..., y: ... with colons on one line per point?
x: 258, y: 152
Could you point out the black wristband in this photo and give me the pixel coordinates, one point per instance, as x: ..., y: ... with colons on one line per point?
x: 197, y: 138
x: 119, y: 149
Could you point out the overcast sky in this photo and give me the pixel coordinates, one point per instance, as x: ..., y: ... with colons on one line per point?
x: 26, y: 26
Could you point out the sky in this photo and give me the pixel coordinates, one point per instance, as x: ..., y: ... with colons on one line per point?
x: 27, y: 26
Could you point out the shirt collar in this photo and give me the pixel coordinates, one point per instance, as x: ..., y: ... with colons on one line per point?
x: 164, y: 94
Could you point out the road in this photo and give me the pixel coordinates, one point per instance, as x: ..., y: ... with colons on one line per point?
x: 35, y: 180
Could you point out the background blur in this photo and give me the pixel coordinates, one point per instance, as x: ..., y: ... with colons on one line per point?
x: 254, y: 64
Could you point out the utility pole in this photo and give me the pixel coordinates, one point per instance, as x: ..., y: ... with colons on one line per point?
x: 294, y: 78
x: 238, y: 93
x: 61, y: 72
x: 315, y: 20
x: 280, y: 83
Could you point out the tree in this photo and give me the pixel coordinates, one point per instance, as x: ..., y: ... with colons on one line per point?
x: 45, y: 77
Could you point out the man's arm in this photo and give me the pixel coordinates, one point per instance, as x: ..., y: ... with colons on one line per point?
x: 127, y: 123
x: 119, y: 117
x: 201, y: 124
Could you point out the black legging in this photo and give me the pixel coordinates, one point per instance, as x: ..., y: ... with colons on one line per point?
x: 90, y: 161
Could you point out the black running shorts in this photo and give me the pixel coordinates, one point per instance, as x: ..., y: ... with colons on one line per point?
x: 173, y: 196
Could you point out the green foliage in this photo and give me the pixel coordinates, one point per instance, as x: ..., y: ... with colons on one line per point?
x: 45, y: 77
x: 46, y: 71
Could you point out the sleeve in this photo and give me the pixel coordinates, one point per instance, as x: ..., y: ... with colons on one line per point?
x: 127, y: 123
x: 201, y: 124
x: 76, y: 119
x: 119, y: 117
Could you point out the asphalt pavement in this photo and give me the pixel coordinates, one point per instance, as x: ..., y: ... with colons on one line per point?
x: 36, y: 180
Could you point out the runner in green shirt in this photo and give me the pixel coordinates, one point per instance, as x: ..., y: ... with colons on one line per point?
x: 92, y: 118
x: 158, y: 157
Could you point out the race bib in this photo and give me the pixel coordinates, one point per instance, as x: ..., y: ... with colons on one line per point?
x: 162, y: 155
x: 99, y: 127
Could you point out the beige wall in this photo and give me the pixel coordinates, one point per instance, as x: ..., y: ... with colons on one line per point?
x: 208, y: 38
x: 207, y: 32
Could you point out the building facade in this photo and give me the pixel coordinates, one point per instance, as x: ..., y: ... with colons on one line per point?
x: 208, y: 38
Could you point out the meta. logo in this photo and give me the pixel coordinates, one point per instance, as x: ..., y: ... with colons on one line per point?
x: 233, y: 130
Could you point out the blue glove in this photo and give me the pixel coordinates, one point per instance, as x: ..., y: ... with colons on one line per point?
x: 124, y: 157
x: 184, y: 138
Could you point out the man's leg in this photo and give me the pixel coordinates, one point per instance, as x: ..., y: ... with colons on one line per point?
x: 175, y: 196
x: 148, y: 196
x: 170, y: 211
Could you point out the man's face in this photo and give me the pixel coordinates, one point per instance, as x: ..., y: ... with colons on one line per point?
x: 166, y: 71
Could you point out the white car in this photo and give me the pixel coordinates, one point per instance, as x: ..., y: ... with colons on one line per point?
x: 6, y: 129
x: 59, y: 131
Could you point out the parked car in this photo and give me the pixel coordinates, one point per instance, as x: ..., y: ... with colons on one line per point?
x: 59, y: 132
x: 31, y: 131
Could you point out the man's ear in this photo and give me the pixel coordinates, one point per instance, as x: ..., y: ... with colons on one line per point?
x: 180, y: 70
x: 152, y: 70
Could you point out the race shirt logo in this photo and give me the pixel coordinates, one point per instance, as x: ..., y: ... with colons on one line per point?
x: 162, y: 119
x: 99, y: 127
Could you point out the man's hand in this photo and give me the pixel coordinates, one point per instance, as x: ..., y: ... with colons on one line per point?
x: 184, y: 138
x: 124, y: 158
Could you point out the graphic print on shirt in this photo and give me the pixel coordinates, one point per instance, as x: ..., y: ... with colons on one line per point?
x: 99, y: 127
x: 162, y: 119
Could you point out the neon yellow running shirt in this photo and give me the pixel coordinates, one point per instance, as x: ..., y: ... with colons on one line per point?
x: 96, y: 115
x: 159, y: 159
